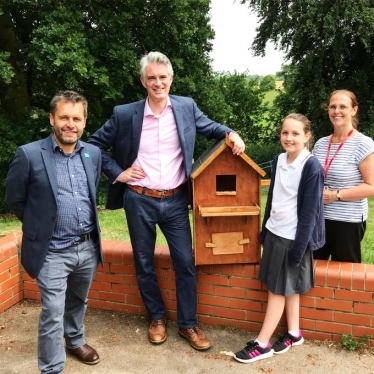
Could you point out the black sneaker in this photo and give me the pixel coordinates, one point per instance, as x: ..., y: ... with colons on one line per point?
x: 283, y: 344
x: 253, y: 352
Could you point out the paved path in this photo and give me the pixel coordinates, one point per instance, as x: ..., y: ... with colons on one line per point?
x: 121, y: 341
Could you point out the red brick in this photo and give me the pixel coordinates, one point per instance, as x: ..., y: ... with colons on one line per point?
x: 248, y: 283
x: 352, y: 319
x: 319, y: 315
x: 338, y: 328
x: 249, y: 271
x: 366, y: 297
x: 346, y: 306
x: 213, y: 300
x: 216, y: 269
x: 126, y: 290
x: 306, y: 301
x: 358, y: 277
x: 32, y: 295
x: 333, y: 273
x: 324, y: 292
x: 317, y: 335
x: 226, y: 269
x: 93, y: 294
x: 320, y: 272
x: 31, y: 286
x: 5, y: 295
x: 213, y: 279
x: 256, y: 295
x: 11, y: 282
x: 363, y: 308
x: 17, y: 288
x: 360, y: 331
x: 237, y: 270
x: 307, y: 324
x: 346, y: 272
x: 15, y: 270
x: 203, y: 269
x: 229, y: 313
x: 99, y: 304
x: 8, y: 263
x: 4, y: 276
x: 204, y: 289
x: 109, y: 296
x: 229, y: 292
x: 12, y: 301
x: 247, y: 305
x: 134, y: 300
x: 369, y: 280
x: 101, y: 286
x: 110, y: 278
x: 205, y: 309
x: 255, y: 316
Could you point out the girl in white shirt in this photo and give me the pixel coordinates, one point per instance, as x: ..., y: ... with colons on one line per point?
x: 293, y: 226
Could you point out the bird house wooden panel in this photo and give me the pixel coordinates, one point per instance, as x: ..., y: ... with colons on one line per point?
x: 226, y: 206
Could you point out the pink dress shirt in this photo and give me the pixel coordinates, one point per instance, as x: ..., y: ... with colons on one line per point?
x: 160, y: 153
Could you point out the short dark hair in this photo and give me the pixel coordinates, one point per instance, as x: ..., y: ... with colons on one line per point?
x: 68, y: 96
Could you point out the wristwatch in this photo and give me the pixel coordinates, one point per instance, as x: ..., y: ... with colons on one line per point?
x: 338, y: 195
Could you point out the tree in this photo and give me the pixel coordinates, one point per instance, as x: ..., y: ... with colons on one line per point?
x: 267, y: 83
x: 329, y: 45
x: 93, y: 47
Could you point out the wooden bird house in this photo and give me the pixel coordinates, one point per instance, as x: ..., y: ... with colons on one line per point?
x: 226, y: 206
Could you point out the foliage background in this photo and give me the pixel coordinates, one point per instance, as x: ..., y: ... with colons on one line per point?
x: 94, y: 47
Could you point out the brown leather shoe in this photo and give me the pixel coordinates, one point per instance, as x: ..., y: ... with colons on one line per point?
x: 85, y: 354
x: 157, y: 331
x: 196, y: 338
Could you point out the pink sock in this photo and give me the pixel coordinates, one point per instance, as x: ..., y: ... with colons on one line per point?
x: 261, y: 344
x: 296, y: 334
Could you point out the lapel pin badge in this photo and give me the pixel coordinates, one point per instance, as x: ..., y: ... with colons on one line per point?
x: 87, y: 155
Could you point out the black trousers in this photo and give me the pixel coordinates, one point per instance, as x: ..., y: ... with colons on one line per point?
x: 343, y: 241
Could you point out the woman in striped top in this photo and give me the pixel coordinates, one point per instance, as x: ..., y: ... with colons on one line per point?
x: 347, y: 157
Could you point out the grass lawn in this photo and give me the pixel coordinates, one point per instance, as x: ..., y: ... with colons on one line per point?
x: 114, y: 227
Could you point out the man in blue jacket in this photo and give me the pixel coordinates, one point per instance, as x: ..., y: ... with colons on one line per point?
x: 152, y: 143
x: 51, y: 188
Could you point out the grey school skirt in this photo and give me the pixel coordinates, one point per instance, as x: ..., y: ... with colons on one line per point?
x: 279, y: 276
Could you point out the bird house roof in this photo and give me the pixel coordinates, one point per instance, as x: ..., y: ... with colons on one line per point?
x: 214, y: 151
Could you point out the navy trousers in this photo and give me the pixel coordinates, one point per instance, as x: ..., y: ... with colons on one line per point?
x: 143, y: 213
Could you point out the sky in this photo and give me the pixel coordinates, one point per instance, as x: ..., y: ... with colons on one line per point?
x: 235, y: 30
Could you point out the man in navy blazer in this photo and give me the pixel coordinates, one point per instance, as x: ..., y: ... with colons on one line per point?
x: 51, y: 188
x: 152, y: 143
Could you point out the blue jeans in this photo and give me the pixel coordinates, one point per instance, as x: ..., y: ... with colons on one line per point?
x: 171, y: 215
x: 64, y: 282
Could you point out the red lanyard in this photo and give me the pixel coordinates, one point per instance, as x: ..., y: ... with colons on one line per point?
x: 327, y: 162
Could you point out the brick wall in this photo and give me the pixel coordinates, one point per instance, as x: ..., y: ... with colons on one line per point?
x: 340, y: 303
x: 11, y: 287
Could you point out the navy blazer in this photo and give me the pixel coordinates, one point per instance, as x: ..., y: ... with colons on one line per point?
x: 123, y: 130
x: 31, y: 194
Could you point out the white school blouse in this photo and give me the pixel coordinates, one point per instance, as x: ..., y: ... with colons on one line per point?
x: 283, y: 214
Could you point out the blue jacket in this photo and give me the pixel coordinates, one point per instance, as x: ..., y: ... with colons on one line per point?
x: 310, y: 231
x: 31, y: 194
x: 123, y: 130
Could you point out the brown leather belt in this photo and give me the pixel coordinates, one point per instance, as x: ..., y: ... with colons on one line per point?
x: 160, y: 194
x: 85, y: 237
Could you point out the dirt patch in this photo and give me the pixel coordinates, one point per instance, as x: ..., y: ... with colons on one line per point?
x: 122, y: 343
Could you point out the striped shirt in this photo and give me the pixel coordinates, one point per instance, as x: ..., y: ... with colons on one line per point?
x: 344, y: 173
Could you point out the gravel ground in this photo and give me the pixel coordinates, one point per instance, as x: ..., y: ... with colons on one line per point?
x: 122, y: 343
